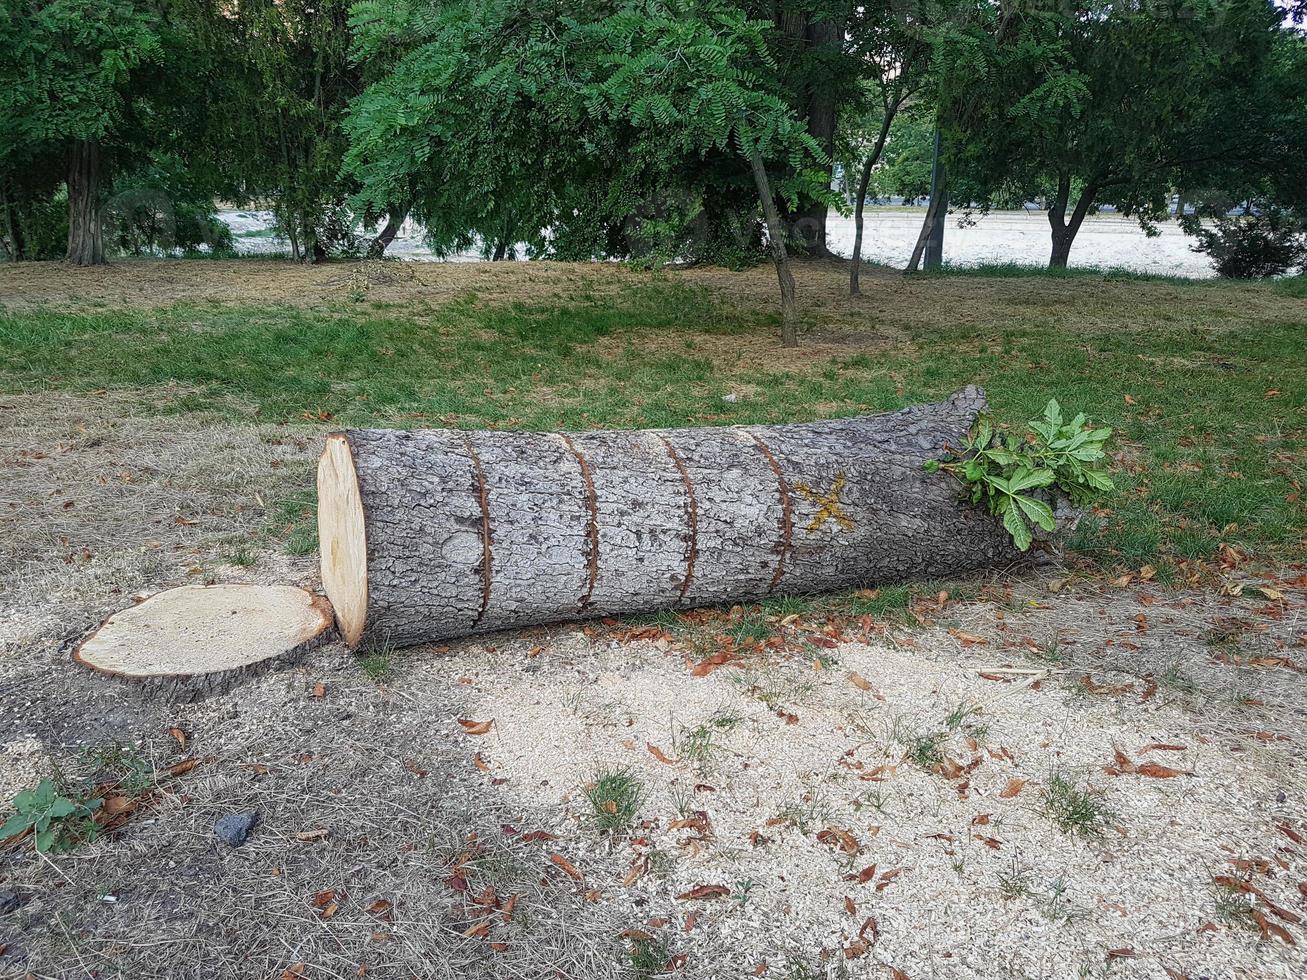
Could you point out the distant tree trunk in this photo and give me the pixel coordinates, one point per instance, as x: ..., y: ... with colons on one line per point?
x: 935, y: 214
x: 1064, y: 230
x: 815, y: 36
x: 85, y: 235
x: 13, y: 229
x: 865, y: 179
x: 501, y: 250
x: 394, y: 221
x: 776, y: 244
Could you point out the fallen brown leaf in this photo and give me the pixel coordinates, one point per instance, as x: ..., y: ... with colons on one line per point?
x: 659, y: 754
x: 705, y: 891
x: 566, y: 865
x: 1013, y: 787
x: 476, y: 727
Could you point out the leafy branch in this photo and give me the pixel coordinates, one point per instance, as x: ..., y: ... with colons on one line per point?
x: 1005, y: 470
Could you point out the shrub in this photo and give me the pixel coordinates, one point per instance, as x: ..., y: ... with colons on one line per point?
x: 1269, y: 242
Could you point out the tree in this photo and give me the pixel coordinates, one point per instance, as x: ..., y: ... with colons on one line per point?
x: 73, y: 79
x: 504, y: 120
x: 1103, y: 103
x: 894, y: 52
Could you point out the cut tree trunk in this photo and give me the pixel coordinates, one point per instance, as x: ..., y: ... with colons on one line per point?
x: 85, y: 234
x: 435, y: 534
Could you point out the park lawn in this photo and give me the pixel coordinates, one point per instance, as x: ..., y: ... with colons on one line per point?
x: 1209, y: 405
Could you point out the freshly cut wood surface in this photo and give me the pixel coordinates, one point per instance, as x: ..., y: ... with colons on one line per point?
x: 205, y: 636
x: 433, y: 534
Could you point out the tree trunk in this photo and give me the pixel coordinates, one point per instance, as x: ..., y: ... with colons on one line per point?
x: 869, y: 164
x: 13, y: 229
x: 815, y: 38
x: 432, y: 534
x: 1064, y: 231
x: 776, y: 244
x: 394, y: 221
x: 85, y: 234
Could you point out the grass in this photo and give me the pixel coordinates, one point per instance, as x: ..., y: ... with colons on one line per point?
x: 1076, y: 811
x: 1211, y: 438
x: 650, y: 957
x: 615, y: 796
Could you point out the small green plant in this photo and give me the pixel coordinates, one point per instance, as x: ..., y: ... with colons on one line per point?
x: 650, y: 957
x: 1015, y: 881
x: 56, y: 821
x: 1078, y: 812
x: 1055, y: 456
x: 122, y: 764
x: 376, y: 665
x: 615, y: 797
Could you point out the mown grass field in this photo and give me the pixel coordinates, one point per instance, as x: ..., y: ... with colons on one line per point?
x: 1206, y: 384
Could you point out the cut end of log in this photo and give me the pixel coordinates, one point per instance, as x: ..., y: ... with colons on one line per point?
x: 342, y: 538
x: 202, y: 632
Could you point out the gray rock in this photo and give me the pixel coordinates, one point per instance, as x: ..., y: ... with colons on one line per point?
x: 235, y: 828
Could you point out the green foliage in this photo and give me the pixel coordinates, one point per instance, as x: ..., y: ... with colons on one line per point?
x: 1101, y: 102
x: 1005, y: 470
x: 57, y: 822
x: 1268, y: 242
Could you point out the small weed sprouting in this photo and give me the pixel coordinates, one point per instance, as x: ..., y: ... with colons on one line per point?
x: 750, y: 627
x: 1077, y: 812
x: 376, y: 665
x: 649, y: 957
x: 57, y: 822
x: 1234, y: 907
x: 123, y: 765
x: 1015, y: 881
x: 241, y: 557
x: 695, y: 744
x: 1173, y: 679
x: 956, y: 719
x: 1050, y: 653
x: 615, y: 797
x: 302, y: 541
x: 924, y: 749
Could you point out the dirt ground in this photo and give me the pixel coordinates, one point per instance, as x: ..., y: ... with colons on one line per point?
x: 861, y: 798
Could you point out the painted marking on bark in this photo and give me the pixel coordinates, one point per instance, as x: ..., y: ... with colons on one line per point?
x: 787, y: 511
x: 691, y: 518
x: 592, y: 538
x: 828, y: 504
x: 487, y: 538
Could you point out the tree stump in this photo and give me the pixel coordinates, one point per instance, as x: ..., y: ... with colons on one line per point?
x: 200, y: 640
x: 427, y: 535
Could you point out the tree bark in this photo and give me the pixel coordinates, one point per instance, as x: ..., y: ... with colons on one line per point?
x: 429, y: 535
x: 1063, y: 230
x: 815, y: 36
x: 85, y: 233
x: 869, y: 164
x: 13, y: 229
x: 780, y: 258
x: 394, y: 221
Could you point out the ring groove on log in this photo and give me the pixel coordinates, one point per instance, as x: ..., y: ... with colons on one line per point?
x: 787, y: 512
x: 487, y: 540
x: 691, y: 519
x: 592, y: 530
x: 406, y: 548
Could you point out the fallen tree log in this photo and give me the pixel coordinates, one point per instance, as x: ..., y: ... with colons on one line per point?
x: 427, y: 535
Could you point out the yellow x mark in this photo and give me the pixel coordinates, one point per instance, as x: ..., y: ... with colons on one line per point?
x: 828, y: 504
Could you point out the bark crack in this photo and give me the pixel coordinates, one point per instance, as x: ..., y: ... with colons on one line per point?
x: 691, y: 518
x: 592, y: 536
x: 787, y: 511
x: 487, y: 537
